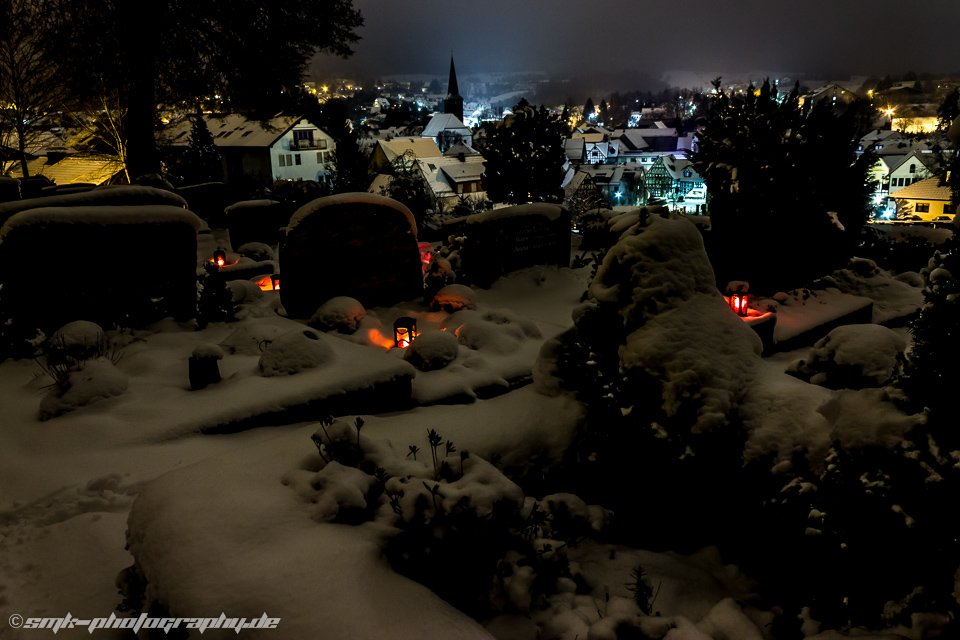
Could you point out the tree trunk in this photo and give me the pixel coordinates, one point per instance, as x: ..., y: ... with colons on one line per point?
x: 143, y: 158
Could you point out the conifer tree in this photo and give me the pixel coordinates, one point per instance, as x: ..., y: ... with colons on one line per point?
x: 201, y: 161
x: 525, y: 157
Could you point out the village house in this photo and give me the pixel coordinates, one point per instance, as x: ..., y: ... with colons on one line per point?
x: 255, y: 152
x: 924, y: 200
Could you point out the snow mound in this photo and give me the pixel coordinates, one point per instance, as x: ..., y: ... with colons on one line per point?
x: 340, y: 313
x: 868, y: 417
x: 208, y: 350
x: 432, y: 350
x: 242, y: 291
x: 853, y: 356
x: 251, y: 338
x: 454, y: 297
x: 97, y: 380
x: 256, y: 251
x: 496, y: 331
x: 678, y: 328
x: 77, y: 340
x: 294, y: 352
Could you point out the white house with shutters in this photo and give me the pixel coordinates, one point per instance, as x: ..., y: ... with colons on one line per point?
x: 281, y: 148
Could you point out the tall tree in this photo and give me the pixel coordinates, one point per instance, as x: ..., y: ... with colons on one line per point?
x: 250, y: 53
x: 30, y: 87
x: 201, y: 161
x: 525, y: 157
x: 588, y: 109
x: 788, y: 193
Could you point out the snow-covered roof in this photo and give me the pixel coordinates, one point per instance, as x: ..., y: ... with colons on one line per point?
x: 928, y: 160
x: 442, y: 122
x: 77, y: 169
x: 928, y: 189
x: 420, y: 147
x: 463, y: 171
x: 235, y: 130
x: 457, y: 149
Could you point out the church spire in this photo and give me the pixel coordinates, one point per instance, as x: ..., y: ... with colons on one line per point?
x: 452, y: 88
x: 453, y: 102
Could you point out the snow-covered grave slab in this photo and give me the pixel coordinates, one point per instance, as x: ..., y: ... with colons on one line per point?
x: 805, y: 316
x: 159, y: 403
x: 226, y: 535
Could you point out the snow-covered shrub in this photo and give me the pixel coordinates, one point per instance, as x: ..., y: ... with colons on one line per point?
x: 296, y: 351
x: 340, y: 313
x: 496, y: 330
x: 256, y: 251
x: 454, y: 297
x: 75, y: 342
x: 242, y: 291
x: 95, y: 380
x: 852, y: 357
x: 432, y: 350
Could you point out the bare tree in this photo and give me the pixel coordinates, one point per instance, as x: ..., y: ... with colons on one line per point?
x: 30, y: 90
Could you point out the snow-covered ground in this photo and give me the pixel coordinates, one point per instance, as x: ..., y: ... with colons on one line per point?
x: 218, y: 520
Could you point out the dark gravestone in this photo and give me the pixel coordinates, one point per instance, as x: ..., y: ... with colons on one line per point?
x: 512, y: 238
x: 359, y: 245
x: 256, y: 221
x: 123, y: 266
x: 9, y: 189
x: 207, y: 200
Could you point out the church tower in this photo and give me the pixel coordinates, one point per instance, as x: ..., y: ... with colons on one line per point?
x: 453, y: 103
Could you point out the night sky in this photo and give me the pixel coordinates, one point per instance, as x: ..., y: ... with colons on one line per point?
x: 823, y: 38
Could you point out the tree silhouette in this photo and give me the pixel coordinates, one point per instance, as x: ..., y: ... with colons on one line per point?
x: 248, y: 54
x: 524, y: 157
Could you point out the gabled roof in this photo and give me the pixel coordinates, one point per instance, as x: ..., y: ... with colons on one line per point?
x: 457, y: 149
x: 442, y: 122
x: 420, y: 147
x: 573, y: 147
x: 633, y: 140
x: 928, y: 160
x: 235, y: 130
x: 463, y: 171
x: 927, y: 189
x: 77, y: 169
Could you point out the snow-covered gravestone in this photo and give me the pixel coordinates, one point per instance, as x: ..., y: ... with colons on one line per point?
x: 359, y: 245
x: 255, y: 221
x: 112, y: 265
x: 511, y: 238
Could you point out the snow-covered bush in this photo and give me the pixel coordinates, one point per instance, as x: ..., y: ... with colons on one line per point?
x: 454, y: 297
x: 75, y: 342
x: 432, y: 350
x: 242, y: 291
x: 852, y: 357
x: 296, y: 351
x: 81, y: 385
x: 215, y: 302
x: 340, y: 313
x: 256, y: 251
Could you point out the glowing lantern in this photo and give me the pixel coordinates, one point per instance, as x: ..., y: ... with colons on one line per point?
x: 220, y: 257
x: 426, y: 255
x: 404, y: 331
x: 738, y: 298
x: 275, y: 281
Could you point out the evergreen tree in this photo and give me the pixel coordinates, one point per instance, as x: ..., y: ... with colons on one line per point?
x: 525, y: 157
x: 789, y: 195
x: 407, y: 185
x: 588, y: 109
x: 201, y: 161
x: 604, y: 111
x: 949, y: 110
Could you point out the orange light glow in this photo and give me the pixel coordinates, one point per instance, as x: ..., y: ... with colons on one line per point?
x: 403, y: 337
x: 378, y: 339
x: 426, y: 255
x: 265, y: 284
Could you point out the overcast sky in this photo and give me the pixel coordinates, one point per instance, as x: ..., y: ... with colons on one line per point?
x: 571, y: 37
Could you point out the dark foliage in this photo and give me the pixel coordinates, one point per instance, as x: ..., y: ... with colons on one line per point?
x: 788, y: 194
x: 251, y: 54
x: 201, y: 162
x: 525, y: 157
